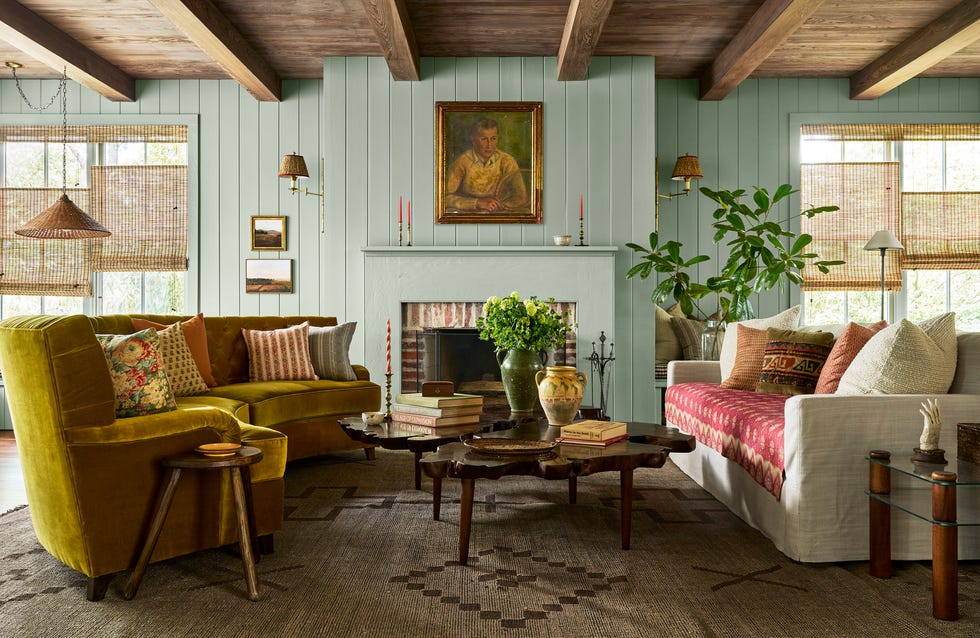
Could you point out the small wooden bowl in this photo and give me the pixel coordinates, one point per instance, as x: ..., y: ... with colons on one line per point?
x: 218, y: 449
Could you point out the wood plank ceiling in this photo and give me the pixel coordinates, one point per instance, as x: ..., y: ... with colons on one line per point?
x: 108, y: 44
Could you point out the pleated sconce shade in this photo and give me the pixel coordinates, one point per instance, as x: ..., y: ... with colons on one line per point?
x: 63, y: 220
x: 293, y: 166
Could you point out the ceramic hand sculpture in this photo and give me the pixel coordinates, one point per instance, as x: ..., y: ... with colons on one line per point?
x: 929, y: 441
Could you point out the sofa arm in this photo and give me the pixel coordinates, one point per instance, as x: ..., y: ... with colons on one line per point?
x: 362, y: 373
x: 693, y: 371
x: 164, y: 424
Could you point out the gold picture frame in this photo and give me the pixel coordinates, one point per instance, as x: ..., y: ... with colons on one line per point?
x: 269, y: 275
x: 488, y: 162
x: 268, y: 232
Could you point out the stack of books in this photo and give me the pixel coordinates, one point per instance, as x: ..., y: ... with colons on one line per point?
x: 596, y: 433
x: 431, y: 415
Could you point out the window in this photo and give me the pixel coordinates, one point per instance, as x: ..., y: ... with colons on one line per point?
x: 156, y: 283
x: 938, y: 179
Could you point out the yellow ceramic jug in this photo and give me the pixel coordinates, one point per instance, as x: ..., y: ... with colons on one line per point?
x: 560, y: 392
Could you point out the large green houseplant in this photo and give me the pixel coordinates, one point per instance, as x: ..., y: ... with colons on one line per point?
x: 762, y: 253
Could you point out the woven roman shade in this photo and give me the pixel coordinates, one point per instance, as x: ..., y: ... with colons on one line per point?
x: 155, y: 133
x: 868, y: 197
x: 146, y: 208
x: 941, y: 231
x: 32, y: 267
x: 890, y: 132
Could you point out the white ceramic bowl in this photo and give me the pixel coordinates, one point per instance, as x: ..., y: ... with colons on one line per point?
x: 372, y: 418
x: 562, y: 240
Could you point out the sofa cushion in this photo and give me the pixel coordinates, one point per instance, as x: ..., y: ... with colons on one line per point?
x: 197, y: 342
x: 138, y: 375
x: 967, y: 378
x: 279, y: 355
x: 273, y: 445
x: 848, y: 344
x: 688, y: 333
x: 792, y: 360
x: 746, y: 427
x: 667, y: 347
x: 748, y: 361
x: 905, y: 358
x: 786, y: 319
x: 234, y: 407
x: 185, y: 379
x: 274, y: 402
x: 330, y: 351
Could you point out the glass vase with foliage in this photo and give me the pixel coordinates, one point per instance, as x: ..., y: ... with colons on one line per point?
x: 763, y: 253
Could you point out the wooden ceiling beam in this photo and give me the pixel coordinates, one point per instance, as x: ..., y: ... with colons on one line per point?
x: 214, y: 34
x: 41, y: 40
x: 766, y: 30
x: 941, y: 38
x: 394, y: 33
x: 583, y: 25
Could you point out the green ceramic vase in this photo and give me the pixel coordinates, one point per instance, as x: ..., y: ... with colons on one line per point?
x: 517, y: 370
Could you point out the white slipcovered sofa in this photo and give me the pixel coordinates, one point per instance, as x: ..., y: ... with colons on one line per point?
x: 822, y: 512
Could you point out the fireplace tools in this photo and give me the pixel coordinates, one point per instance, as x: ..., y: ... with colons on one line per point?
x: 597, y: 364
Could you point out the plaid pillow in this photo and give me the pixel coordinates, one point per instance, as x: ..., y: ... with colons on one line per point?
x: 279, y: 355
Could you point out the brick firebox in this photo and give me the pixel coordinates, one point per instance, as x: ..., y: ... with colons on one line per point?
x: 418, y: 316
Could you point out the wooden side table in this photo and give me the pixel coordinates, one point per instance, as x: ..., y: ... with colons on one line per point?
x: 241, y: 481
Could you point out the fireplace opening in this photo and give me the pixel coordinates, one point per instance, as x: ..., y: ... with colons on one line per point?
x: 460, y: 356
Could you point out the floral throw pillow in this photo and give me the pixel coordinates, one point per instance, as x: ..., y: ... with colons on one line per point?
x: 138, y: 376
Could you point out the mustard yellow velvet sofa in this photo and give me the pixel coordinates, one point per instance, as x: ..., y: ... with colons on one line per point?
x: 92, y: 479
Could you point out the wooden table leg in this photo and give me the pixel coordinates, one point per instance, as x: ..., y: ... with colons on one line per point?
x: 465, y: 519
x: 253, y: 532
x: 626, y: 496
x: 572, y: 490
x: 418, y: 471
x: 436, y: 497
x: 244, y: 540
x: 945, y: 588
x: 880, y: 521
x: 153, y: 535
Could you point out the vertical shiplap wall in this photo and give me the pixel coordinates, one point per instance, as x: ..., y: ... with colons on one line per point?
x: 598, y: 142
x: 241, y: 142
x: 744, y: 140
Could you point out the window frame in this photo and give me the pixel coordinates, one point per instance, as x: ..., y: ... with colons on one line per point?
x: 192, y: 302
x: 896, y: 306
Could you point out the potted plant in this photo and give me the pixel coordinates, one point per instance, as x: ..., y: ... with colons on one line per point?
x: 763, y: 253
x: 521, y: 331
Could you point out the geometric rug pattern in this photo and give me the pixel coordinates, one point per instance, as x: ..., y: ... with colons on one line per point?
x: 359, y: 555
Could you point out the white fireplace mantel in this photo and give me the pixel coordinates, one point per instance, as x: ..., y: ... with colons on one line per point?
x: 401, y: 274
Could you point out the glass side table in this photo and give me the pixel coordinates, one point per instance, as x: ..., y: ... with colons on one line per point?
x: 936, y: 506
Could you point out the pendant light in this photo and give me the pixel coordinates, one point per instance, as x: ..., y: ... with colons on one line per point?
x: 63, y: 219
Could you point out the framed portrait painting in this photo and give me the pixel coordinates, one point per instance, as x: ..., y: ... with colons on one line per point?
x: 269, y: 275
x: 268, y: 233
x: 488, y: 162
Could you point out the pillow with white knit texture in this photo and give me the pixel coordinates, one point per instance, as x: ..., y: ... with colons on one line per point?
x: 787, y: 319
x: 905, y: 358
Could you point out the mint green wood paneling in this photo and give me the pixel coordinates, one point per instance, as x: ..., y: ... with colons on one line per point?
x: 227, y: 223
x: 562, y: 214
x: 418, y: 157
x: 248, y: 194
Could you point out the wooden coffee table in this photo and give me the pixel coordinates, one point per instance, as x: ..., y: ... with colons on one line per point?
x: 564, y: 462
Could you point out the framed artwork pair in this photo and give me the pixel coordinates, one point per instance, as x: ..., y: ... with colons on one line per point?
x: 268, y: 275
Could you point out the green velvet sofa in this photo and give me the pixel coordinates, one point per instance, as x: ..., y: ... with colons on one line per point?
x: 92, y: 479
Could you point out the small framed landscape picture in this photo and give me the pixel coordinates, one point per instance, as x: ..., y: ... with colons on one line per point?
x: 269, y: 275
x: 268, y: 233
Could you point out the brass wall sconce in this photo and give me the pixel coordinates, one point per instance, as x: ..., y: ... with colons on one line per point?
x: 294, y: 166
x: 686, y: 168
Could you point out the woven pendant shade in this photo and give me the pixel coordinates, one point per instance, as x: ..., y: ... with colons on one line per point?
x: 63, y: 220
x: 293, y: 166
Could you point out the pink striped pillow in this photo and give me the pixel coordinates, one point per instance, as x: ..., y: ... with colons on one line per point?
x: 279, y: 355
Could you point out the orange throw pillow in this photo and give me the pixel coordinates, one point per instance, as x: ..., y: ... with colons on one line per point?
x: 197, y: 341
x: 748, y: 359
x: 849, y: 343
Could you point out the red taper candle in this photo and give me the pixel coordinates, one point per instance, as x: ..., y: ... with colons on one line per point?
x: 388, y: 349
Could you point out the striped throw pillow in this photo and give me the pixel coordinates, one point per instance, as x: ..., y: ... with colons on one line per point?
x: 279, y: 355
x: 329, y: 350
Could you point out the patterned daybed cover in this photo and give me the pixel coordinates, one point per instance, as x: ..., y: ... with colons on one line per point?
x: 744, y: 426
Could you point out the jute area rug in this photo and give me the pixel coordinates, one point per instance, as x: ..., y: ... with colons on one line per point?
x: 360, y: 555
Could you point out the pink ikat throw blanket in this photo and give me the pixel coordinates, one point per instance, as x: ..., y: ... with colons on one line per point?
x: 744, y: 426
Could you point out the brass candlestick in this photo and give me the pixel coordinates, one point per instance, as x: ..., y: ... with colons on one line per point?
x: 581, y: 232
x: 399, y: 232
x: 387, y: 396
x: 409, y: 243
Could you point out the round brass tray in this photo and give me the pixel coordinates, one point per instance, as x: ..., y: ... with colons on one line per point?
x: 510, y: 447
